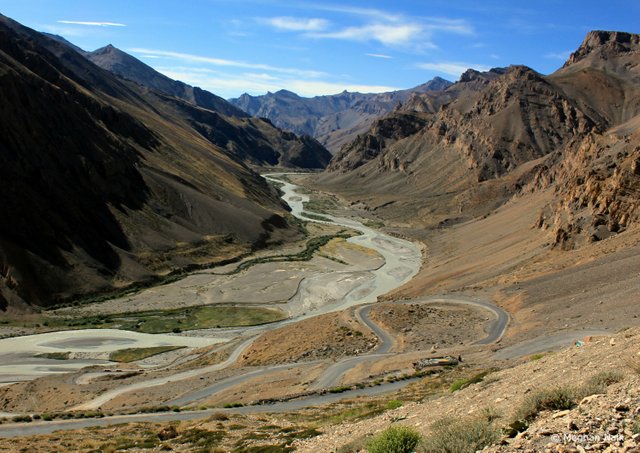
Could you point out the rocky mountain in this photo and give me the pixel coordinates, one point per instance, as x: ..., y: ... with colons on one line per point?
x: 507, y: 132
x: 333, y: 120
x: 107, y: 182
x: 128, y: 67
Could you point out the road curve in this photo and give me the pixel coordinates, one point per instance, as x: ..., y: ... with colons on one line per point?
x: 494, y: 330
x: 110, y: 395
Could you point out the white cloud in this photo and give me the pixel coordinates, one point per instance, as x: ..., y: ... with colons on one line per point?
x: 363, y: 12
x: 455, y: 26
x: 379, y: 55
x: 92, y: 24
x: 452, y: 68
x: 386, y: 34
x: 231, y: 85
x: 190, y: 58
x: 558, y: 55
x: 296, y: 24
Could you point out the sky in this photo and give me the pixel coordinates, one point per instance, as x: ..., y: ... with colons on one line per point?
x: 230, y: 47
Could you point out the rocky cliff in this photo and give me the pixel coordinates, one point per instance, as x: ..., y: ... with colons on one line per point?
x: 470, y: 148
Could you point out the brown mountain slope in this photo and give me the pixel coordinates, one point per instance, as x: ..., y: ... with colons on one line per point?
x: 254, y: 141
x: 463, y: 159
x: 105, y: 184
x: 468, y: 150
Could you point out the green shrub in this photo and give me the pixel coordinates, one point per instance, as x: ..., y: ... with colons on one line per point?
x: 395, y: 439
x: 559, y: 398
x: 22, y: 419
x: 461, y: 435
x: 599, y: 382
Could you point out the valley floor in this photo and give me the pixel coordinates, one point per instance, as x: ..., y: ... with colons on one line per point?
x: 550, y: 300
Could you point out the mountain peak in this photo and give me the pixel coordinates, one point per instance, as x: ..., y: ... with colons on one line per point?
x: 605, y: 43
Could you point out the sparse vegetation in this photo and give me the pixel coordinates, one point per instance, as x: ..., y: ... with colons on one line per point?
x: 461, y: 435
x: 201, y: 439
x: 320, y: 203
x: 134, y: 354
x: 395, y: 439
x: 558, y: 398
x: 561, y: 398
x: 535, y: 357
x: 318, y: 217
x: 232, y: 405
x: 340, y: 389
x: 599, y: 382
x: 465, y: 382
x: 375, y: 224
x: 54, y: 355
x: 176, y: 320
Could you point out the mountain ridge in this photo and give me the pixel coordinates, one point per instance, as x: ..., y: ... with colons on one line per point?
x: 332, y: 119
x: 490, y: 136
x: 109, y: 183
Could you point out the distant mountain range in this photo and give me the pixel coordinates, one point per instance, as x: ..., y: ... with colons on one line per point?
x: 461, y: 152
x: 122, y: 175
x: 333, y: 120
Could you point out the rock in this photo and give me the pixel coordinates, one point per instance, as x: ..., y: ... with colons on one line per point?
x: 167, y: 433
x: 621, y: 407
x: 572, y: 425
x: 588, y: 399
x: 560, y: 414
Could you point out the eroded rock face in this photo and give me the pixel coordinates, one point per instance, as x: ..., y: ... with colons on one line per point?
x: 514, y: 131
x: 597, y: 190
x: 505, y: 118
x: 606, y: 43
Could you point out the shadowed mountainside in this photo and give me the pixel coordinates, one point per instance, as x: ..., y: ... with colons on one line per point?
x: 106, y: 182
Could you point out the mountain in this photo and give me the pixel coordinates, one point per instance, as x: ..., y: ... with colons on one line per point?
x: 106, y: 182
x: 333, y: 120
x: 254, y: 141
x: 494, y: 135
x: 128, y: 67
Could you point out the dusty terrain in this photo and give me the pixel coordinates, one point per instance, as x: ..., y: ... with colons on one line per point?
x: 417, y: 327
x: 504, y: 392
x: 326, y: 336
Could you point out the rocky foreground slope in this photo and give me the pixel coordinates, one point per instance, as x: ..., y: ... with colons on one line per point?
x: 106, y: 181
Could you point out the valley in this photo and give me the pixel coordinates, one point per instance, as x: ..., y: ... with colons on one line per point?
x: 362, y: 267
x: 457, y: 263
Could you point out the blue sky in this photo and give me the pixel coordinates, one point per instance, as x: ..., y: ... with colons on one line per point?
x: 324, y: 47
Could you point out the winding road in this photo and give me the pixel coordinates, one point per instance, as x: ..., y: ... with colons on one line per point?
x: 402, y: 260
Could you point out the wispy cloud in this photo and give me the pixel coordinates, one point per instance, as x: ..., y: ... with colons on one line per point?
x: 394, y: 30
x: 356, y: 11
x: 190, y: 58
x: 230, y: 85
x: 558, y: 55
x: 92, y: 24
x: 387, y: 34
x: 452, y: 68
x: 378, y: 55
x: 296, y: 23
